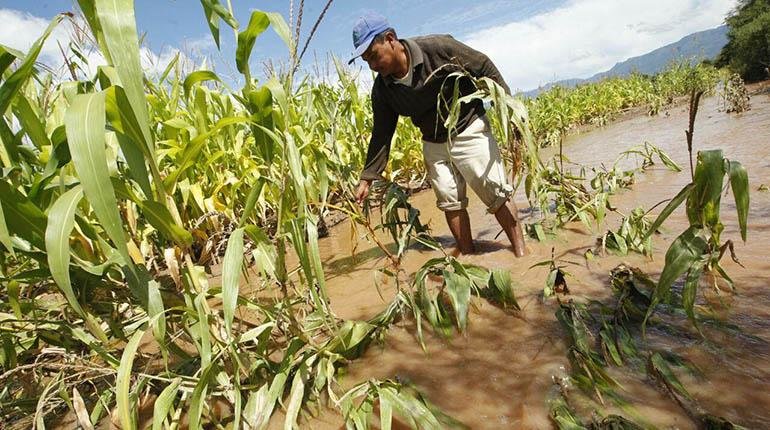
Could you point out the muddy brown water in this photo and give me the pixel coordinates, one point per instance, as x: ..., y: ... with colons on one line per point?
x: 500, y: 373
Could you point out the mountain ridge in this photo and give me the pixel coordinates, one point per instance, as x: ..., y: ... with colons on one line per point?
x: 694, y: 47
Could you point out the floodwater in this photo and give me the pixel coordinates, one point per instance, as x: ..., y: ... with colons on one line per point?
x: 500, y: 373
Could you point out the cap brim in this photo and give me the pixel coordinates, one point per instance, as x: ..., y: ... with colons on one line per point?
x: 361, y: 49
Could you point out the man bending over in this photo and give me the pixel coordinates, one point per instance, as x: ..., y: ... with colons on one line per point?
x: 410, y: 75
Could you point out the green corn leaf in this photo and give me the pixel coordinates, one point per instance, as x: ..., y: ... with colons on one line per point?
x: 89, y: 13
x: 214, y: 11
x: 61, y: 219
x: 9, y: 152
x: 459, y: 290
x: 159, y: 217
x: 163, y: 404
x: 118, y: 23
x: 22, y: 217
x: 690, y: 290
x: 275, y: 391
x: 349, y: 337
x: 256, y: 332
x: 201, y: 308
x: 130, y: 136
x: 739, y: 182
x: 265, y: 253
x: 7, y: 56
x: 30, y: 122
x: 156, y: 313
x: 297, y: 235
x: 667, y: 161
x: 126, y: 415
x: 258, y: 23
x: 315, y: 257
x: 85, y: 122
x: 169, y: 68
x: 198, y: 77
x: 684, y: 254
x: 670, y: 207
x: 281, y: 28
x: 703, y: 204
x: 156, y: 214
x: 5, y: 236
x: 11, y: 87
x: 251, y: 202
x: 297, y: 174
x: 231, y: 273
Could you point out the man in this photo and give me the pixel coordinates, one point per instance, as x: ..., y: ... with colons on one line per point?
x: 411, y: 73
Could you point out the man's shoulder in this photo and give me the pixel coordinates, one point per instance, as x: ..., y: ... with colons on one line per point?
x: 433, y: 40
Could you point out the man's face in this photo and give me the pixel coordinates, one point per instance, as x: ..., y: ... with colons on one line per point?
x: 381, y: 56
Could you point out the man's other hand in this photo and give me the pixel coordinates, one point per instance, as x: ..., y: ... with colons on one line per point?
x: 362, y: 190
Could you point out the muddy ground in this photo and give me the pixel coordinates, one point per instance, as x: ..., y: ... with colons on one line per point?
x: 500, y: 374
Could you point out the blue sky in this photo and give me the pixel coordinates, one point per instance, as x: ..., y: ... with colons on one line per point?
x: 532, y: 42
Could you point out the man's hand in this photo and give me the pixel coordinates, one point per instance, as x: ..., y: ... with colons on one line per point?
x: 362, y: 190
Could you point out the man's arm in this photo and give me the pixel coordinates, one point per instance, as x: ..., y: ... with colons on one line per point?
x: 385, y: 120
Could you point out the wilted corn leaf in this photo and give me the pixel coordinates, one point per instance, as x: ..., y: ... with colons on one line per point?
x: 164, y: 403
x: 295, y: 398
x: 198, y: 397
x: 126, y: 413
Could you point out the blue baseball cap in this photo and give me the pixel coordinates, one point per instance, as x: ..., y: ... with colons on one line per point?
x: 364, y: 31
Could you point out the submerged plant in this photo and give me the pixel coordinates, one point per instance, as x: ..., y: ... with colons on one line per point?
x: 445, y: 303
x: 391, y: 400
x: 630, y: 236
x: 556, y: 281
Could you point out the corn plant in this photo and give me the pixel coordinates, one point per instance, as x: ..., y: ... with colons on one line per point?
x: 561, y: 110
x: 120, y: 191
x: 699, y: 248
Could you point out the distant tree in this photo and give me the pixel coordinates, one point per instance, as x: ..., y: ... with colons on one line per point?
x: 748, y: 40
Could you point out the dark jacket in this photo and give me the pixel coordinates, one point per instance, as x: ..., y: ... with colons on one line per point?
x: 432, y: 59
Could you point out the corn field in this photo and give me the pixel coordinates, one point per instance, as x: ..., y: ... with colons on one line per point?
x: 119, y: 195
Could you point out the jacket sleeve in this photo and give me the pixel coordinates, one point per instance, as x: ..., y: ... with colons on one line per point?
x: 475, y: 62
x: 385, y: 120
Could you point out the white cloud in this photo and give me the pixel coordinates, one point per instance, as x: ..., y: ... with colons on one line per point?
x: 585, y: 37
x: 20, y: 30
